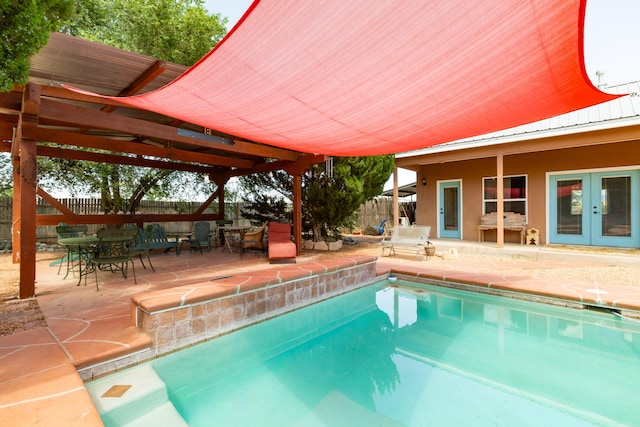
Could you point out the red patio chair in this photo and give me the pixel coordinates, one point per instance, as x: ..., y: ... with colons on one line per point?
x: 280, y: 246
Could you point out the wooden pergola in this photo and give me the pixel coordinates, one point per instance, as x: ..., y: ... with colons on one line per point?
x: 44, y: 112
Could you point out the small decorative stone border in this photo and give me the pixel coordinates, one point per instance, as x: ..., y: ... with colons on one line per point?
x: 322, y: 245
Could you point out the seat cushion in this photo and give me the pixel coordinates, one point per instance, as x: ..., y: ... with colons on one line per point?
x: 279, y: 250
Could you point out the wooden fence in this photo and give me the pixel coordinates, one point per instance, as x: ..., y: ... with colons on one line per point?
x: 371, y: 213
x: 85, y: 206
x: 375, y: 211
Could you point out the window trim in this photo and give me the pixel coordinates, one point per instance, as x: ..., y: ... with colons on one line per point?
x: 505, y: 200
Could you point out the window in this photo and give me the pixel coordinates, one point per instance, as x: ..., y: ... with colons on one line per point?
x: 515, y: 194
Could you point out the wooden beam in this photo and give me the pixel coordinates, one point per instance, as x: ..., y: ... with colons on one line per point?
x: 207, y: 202
x: 42, y: 220
x: 100, y: 143
x: 62, y: 153
x: 54, y: 202
x: 143, y: 80
x: 149, y: 75
x: 89, y: 118
x: 304, y: 163
x: 62, y: 93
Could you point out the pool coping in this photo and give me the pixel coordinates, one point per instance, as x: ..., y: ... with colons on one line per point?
x: 621, y: 299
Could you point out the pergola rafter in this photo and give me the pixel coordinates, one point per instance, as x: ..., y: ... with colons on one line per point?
x: 43, y: 119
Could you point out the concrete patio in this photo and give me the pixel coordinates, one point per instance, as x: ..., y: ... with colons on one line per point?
x: 42, y: 370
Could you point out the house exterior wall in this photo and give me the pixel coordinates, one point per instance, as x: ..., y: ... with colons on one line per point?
x: 534, y: 165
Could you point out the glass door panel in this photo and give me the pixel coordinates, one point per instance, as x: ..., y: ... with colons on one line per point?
x: 595, y: 209
x: 614, y: 207
x: 569, y: 196
x: 450, y: 210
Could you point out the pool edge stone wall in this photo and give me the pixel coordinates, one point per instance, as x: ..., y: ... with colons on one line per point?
x: 180, y: 317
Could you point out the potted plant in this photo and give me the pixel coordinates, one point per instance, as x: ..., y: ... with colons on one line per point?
x: 430, y: 249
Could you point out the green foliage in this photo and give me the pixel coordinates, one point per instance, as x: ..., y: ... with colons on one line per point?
x: 6, y: 176
x: 24, y: 29
x: 180, y: 31
x: 120, y: 187
x: 266, y: 196
x: 329, y: 202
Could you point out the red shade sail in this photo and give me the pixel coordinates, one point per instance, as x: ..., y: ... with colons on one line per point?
x: 364, y: 77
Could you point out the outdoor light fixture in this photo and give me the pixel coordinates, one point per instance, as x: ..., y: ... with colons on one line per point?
x: 424, y: 181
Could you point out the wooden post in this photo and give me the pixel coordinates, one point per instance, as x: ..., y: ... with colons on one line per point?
x: 15, y: 213
x: 396, y: 208
x: 220, y: 182
x: 297, y: 212
x: 25, y: 136
x: 500, y: 189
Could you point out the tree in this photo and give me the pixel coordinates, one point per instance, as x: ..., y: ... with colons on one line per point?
x: 267, y: 195
x: 180, y: 31
x: 121, y: 187
x: 6, y: 176
x: 330, y: 200
x: 24, y: 29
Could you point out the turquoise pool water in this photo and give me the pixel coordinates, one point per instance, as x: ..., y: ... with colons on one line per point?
x: 406, y: 354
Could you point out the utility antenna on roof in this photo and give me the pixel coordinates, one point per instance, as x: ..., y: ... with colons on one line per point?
x: 601, y: 85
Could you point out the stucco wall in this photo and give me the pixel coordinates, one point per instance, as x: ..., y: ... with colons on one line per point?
x: 534, y: 165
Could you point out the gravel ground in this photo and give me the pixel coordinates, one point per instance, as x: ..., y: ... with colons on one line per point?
x: 598, y: 273
x: 18, y: 315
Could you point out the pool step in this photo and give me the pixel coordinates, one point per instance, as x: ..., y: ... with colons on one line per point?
x: 123, y: 397
x: 163, y: 415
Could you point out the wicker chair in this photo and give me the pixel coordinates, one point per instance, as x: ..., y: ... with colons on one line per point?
x: 253, y: 240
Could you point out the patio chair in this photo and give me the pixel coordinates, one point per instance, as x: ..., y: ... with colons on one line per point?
x: 280, y: 245
x: 201, y: 236
x: 65, y: 231
x: 113, y: 252
x: 253, y: 240
x: 142, y: 246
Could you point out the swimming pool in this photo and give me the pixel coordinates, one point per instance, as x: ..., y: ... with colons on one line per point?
x: 395, y: 354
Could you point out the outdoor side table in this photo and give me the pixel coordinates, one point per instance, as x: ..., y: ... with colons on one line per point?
x: 228, y: 231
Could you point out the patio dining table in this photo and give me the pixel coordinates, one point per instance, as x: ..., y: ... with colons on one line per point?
x: 84, y: 246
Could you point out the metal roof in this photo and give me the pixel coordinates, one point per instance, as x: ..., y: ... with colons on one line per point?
x: 622, y: 111
x: 403, y: 191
